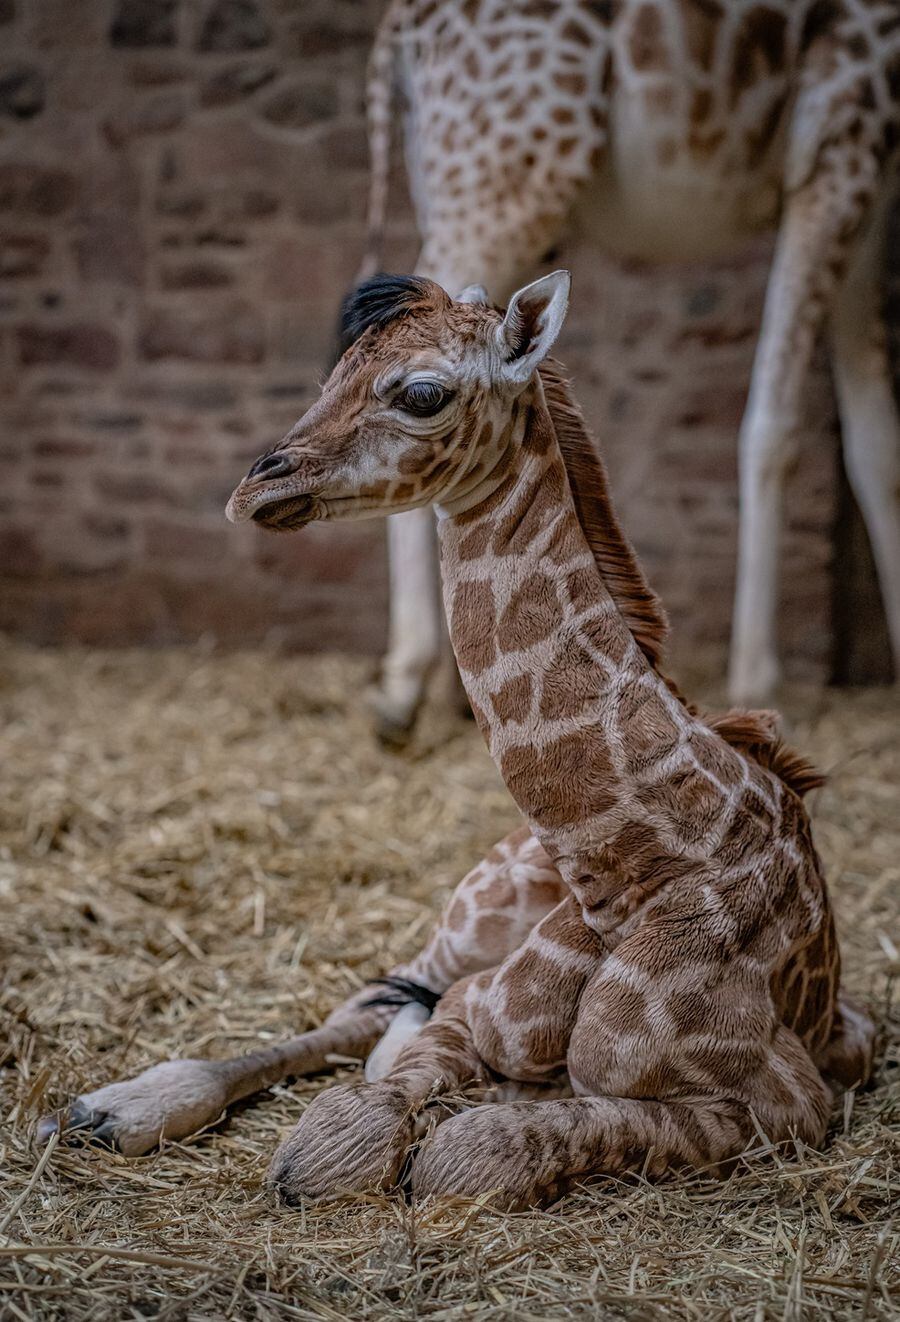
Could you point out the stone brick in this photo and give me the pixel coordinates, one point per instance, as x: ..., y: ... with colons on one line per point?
x: 198, y: 547
x: 139, y: 23
x: 134, y: 488
x: 236, y: 82
x: 22, y: 91
x: 196, y: 396
x: 22, y: 254
x: 158, y: 71
x: 7, y: 11
x: 329, y: 38
x: 248, y: 204
x: 301, y: 102
x: 20, y: 553
x: 112, y: 527
x: 234, y: 334
x: 111, y: 250
x: 159, y: 113
x: 63, y: 447
x: 195, y: 275
x: 346, y: 145
x: 233, y: 25
x: 78, y: 344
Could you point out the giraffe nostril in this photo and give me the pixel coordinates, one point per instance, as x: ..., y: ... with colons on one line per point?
x: 278, y: 464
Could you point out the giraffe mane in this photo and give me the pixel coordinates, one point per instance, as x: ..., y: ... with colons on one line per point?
x: 639, y: 605
x: 753, y: 733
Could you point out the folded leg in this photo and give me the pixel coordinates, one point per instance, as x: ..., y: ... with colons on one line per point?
x: 529, y: 1153
x: 358, y: 1137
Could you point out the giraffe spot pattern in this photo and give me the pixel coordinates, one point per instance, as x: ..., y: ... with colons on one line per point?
x: 570, y: 779
x: 472, y: 626
x: 512, y: 700
x: 533, y: 612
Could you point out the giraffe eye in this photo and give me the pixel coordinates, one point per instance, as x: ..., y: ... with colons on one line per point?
x: 422, y: 398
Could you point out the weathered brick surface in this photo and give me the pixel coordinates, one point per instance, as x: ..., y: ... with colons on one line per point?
x: 182, y: 194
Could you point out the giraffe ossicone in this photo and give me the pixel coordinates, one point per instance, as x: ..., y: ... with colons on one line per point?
x: 647, y: 973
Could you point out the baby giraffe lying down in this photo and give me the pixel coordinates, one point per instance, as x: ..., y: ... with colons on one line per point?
x: 646, y: 975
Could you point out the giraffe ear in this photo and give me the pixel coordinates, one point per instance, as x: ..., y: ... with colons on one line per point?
x: 533, y: 320
x: 473, y: 294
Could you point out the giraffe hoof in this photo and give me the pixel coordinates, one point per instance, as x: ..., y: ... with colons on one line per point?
x: 392, y: 732
x: 173, y: 1100
x: 394, y: 714
x: 469, y: 1156
x: 349, y: 1140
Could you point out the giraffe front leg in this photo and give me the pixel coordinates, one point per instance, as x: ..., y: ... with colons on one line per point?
x: 711, y: 1093
x: 359, y: 1137
x: 528, y: 1154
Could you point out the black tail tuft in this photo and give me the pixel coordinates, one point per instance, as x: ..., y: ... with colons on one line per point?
x: 403, y: 992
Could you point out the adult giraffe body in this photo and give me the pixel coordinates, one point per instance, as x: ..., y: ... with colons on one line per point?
x: 649, y: 970
x: 675, y: 128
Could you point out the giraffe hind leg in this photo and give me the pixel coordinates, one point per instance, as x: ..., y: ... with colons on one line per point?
x: 822, y: 217
x: 870, y: 421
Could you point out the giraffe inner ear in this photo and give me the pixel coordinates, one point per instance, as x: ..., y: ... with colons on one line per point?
x: 473, y: 294
x: 533, y: 320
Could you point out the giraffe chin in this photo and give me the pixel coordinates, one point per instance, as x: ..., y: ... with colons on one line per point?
x: 286, y: 515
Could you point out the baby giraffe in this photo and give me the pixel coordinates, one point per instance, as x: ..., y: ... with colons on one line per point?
x: 647, y: 977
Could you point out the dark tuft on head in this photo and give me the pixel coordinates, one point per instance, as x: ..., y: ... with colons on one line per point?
x: 377, y: 302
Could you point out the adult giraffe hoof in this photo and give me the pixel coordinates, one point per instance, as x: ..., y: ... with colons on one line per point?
x: 394, y: 714
x: 393, y: 732
x: 349, y: 1139
x: 171, y: 1100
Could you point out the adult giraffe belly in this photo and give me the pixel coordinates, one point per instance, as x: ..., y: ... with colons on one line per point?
x: 657, y: 199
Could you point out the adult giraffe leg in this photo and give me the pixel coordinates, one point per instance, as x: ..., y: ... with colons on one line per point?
x: 870, y: 423
x: 414, y: 626
x: 819, y: 222
x: 491, y: 911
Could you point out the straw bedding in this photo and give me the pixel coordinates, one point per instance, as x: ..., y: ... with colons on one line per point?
x: 197, y: 852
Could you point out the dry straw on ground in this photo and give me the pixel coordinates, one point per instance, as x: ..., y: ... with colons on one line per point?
x: 197, y: 852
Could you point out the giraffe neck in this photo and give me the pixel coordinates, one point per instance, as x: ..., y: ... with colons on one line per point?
x: 556, y: 653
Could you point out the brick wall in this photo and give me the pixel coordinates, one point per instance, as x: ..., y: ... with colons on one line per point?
x: 182, y: 191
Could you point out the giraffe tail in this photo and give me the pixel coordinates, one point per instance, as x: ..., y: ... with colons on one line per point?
x: 416, y: 1006
x: 379, y: 109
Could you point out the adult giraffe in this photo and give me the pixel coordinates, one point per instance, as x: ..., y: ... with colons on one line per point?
x: 677, y: 127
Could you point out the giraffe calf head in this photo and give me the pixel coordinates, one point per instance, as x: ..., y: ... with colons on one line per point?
x: 418, y: 409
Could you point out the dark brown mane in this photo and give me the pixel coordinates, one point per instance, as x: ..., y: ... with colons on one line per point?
x: 616, y: 560
x: 753, y: 733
